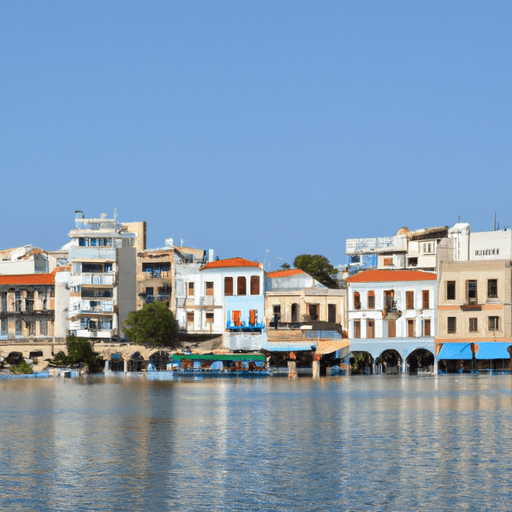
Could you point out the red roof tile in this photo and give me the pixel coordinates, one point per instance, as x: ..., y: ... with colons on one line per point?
x: 31, y: 278
x: 230, y: 263
x: 371, y: 276
x: 285, y: 273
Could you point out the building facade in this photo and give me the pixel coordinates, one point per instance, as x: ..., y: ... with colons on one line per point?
x: 102, y: 256
x: 32, y: 307
x: 391, y: 316
x: 239, y: 285
x: 474, y: 312
x: 293, y: 297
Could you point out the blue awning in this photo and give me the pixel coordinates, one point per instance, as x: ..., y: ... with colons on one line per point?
x: 493, y: 350
x: 455, y: 351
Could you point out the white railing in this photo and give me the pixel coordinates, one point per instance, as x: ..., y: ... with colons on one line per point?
x: 99, y: 279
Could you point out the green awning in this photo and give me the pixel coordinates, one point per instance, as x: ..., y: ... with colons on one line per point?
x: 219, y: 357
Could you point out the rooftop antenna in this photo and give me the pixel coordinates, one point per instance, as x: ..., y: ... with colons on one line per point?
x: 494, y: 221
x: 181, y: 242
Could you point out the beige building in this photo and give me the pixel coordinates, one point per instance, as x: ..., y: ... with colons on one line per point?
x: 32, y: 307
x: 474, y: 310
x: 155, y: 277
x: 294, y: 297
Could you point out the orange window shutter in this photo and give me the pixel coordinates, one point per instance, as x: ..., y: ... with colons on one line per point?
x: 252, y: 317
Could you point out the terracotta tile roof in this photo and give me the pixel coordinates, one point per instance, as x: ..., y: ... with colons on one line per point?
x: 31, y: 278
x: 285, y: 273
x: 371, y: 276
x: 230, y: 263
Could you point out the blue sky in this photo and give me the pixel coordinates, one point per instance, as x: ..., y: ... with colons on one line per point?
x: 258, y: 129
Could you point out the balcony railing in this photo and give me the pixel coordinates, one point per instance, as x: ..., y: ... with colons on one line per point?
x: 148, y: 299
x: 96, y: 279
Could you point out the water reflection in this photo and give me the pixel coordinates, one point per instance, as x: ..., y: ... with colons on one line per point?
x: 385, y: 443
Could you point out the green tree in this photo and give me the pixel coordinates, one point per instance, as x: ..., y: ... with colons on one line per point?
x: 80, y: 352
x: 317, y: 266
x: 154, y: 324
x: 285, y: 266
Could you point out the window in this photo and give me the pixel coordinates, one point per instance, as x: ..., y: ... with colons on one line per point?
x: 190, y: 317
x: 388, y: 262
x: 241, y: 287
x: 392, y: 328
x: 426, y: 327
x: 473, y: 325
x: 30, y: 325
x: 255, y: 285
x: 18, y: 327
x: 389, y: 299
x: 313, y: 311
x: 370, y: 329
x: 452, y: 325
x: 494, y: 323
x: 235, y: 318
x: 409, y: 300
x: 410, y: 328
x: 426, y: 299
x: 209, y: 318
x: 253, y: 317
x: 228, y: 286
x: 190, y: 289
x: 492, y: 288
x: 450, y: 290
x: 357, y: 300
x: 209, y: 288
x: 295, y: 314
x: 471, y: 291
x: 331, y: 313
x: 357, y: 328
x: 92, y: 268
x: 371, y: 299
x: 43, y: 327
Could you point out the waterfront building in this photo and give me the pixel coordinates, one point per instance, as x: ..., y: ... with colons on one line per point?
x: 155, y: 277
x: 102, y: 255
x: 474, y: 312
x: 391, y: 316
x: 425, y: 249
x: 231, y: 293
x: 301, y: 314
x: 33, y: 312
x: 293, y: 297
x: 190, y: 309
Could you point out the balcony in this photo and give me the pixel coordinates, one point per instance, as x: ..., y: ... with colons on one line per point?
x: 148, y: 299
x: 96, y: 279
x: 155, y: 274
x: 85, y: 307
x: 471, y: 306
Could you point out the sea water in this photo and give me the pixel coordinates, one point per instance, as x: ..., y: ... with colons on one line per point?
x: 348, y: 443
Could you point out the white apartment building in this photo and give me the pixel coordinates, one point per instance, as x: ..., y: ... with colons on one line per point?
x: 102, y: 256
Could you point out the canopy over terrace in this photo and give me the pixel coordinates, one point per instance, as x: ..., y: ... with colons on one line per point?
x: 218, y: 357
x: 483, y: 351
x: 493, y: 350
x: 456, y: 351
